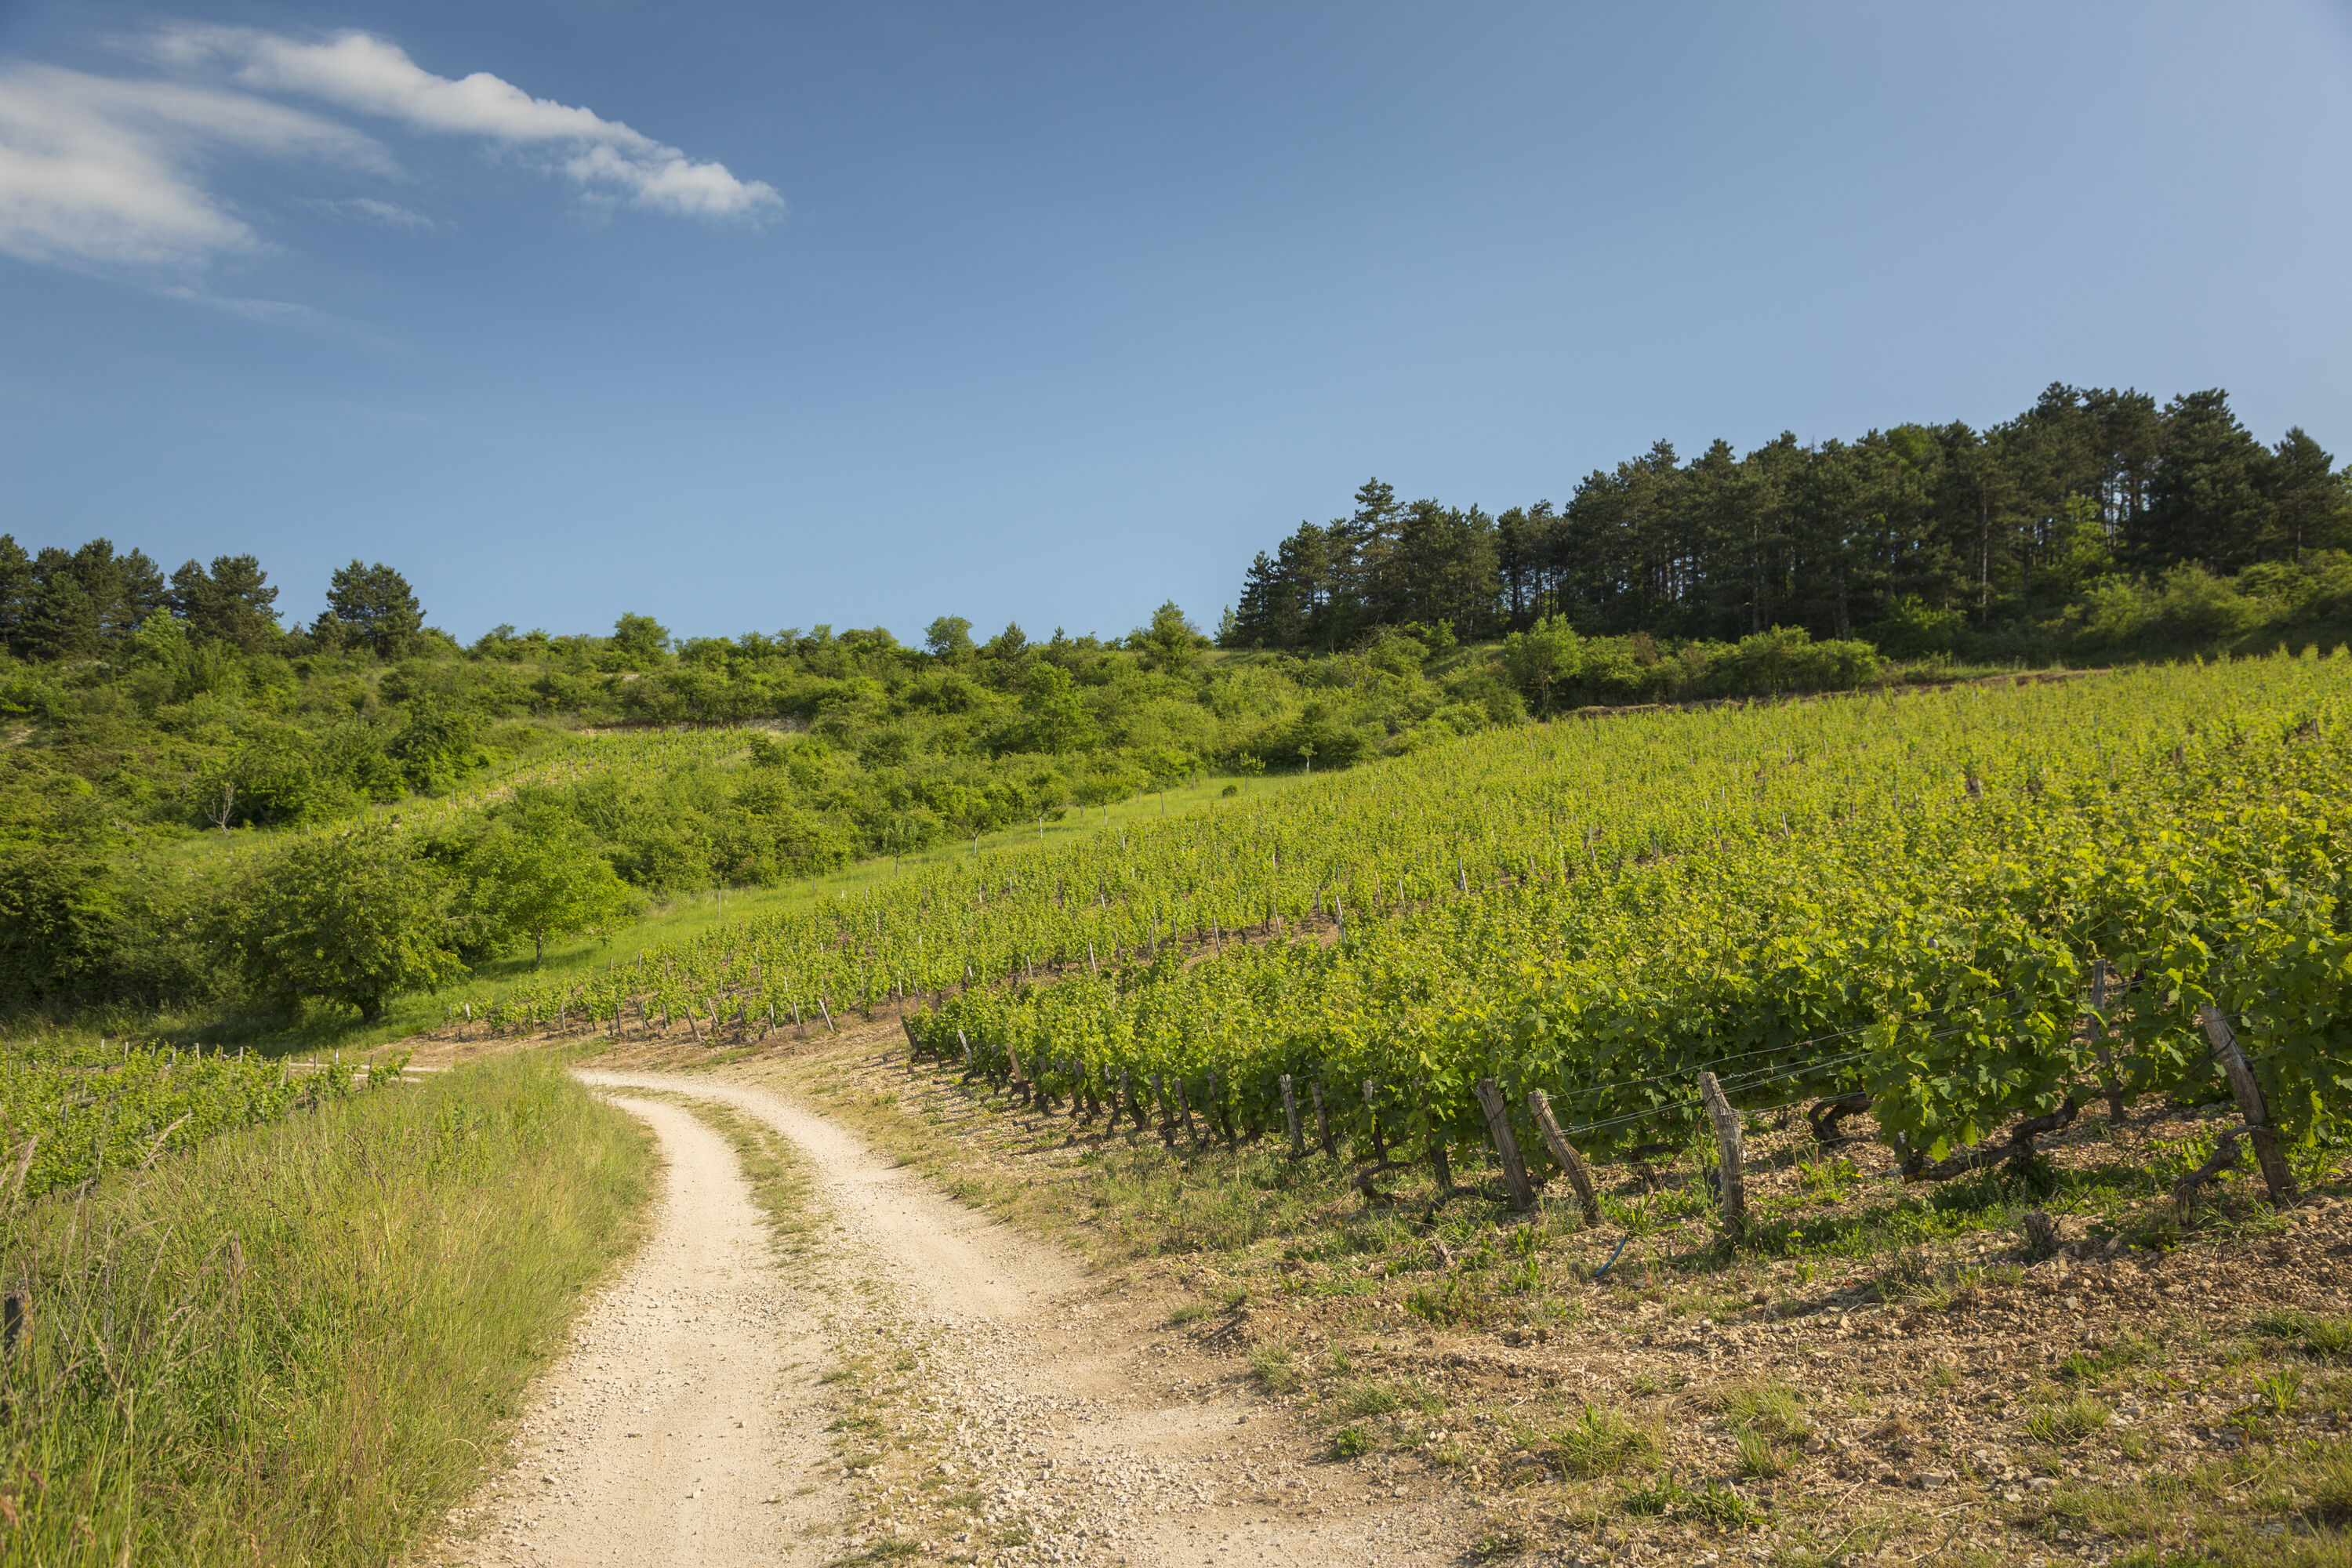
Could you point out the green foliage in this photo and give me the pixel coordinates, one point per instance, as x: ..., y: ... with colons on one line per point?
x: 1349, y: 1443
x: 59, y: 906
x: 535, y: 879
x: 1546, y: 658
x: 353, y: 917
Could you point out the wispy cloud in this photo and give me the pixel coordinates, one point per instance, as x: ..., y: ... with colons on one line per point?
x: 368, y: 209
x: 120, y: 176
x: 96, y: 172
x: 368, y: 74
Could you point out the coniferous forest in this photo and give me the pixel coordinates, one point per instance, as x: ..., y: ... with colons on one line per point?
x: 2095, y: 524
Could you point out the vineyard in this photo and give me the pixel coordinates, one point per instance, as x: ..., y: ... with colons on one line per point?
x: 69, y: 1112
x: 1957, y: 909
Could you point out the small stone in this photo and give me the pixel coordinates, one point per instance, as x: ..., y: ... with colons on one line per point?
x: 1927, y: 1481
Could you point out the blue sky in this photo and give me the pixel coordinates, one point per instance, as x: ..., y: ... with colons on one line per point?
x: 754, y: 316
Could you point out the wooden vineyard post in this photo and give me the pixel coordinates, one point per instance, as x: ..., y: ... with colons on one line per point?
x: 912, y: 1048
x: 1439, y: 1166
x: 1580, y: 1175
x: 1730, y: 1169
x: 2100, y: 974
x: 1322, y: 1122
x: 1507, y: 1145
x: 2276, y: 1176
x: 967, y: 1055
x: 830, y: 1027
x: 1372, y: 1114
x: 1290, y: 1115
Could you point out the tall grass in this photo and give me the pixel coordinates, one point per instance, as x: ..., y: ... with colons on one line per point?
x: 296, y: 1345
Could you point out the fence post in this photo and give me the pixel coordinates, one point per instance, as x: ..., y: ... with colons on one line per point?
x: 2276, y: 1176
x: 1579, y: 1174
x: 2100, y: 974
x: 1290, y: 1115
x: 1372, y: 1112
x: 1322, y: 1122
x: 1499, y: 1127
x: 1731, y: 1166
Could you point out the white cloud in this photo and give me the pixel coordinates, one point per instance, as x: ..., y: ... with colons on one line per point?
x: 368, y: 209
x: 96, y: 171
x: 112, y: 175
x: 361, y: 72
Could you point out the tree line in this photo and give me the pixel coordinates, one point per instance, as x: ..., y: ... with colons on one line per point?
x: 1911, y: 535
x: 59, y: 604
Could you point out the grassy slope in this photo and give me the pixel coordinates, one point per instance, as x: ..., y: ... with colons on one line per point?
x: 296, y: 1345
x: 693, y: 912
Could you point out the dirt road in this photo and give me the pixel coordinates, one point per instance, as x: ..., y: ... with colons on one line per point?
x: 669, y: 1428
x: 1027, y: 1416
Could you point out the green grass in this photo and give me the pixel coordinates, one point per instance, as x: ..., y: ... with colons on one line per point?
x: 673, y: 920
x: 2062, y: 1426
x: 2325, y: 1339
x: 299, y: 1343
x: 1599, y: 1443
x: 1770, y: 1410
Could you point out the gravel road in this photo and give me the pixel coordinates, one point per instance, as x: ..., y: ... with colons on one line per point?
x: 677, y: 1425
x: 1050, y: 1425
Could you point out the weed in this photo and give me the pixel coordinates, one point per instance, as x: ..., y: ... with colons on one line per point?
x: 1761, y: 1458
x: 1599, y: 1443
x: 1272, y: 1365
x: 2062, y: 1426
x: 1712, y: 1503
x: 1906, y: 1274
x: 2280, y: 1391
x: 1349, y: 1443
x: 1494, y: 1548
x: 1369, y: 1399
x: 2331, y: 1489
x: 1769, y: 1410
x: 2324, y: 1339
x: 2129, y: 1350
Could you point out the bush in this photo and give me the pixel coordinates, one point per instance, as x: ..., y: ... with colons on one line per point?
x: 353, y: 917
